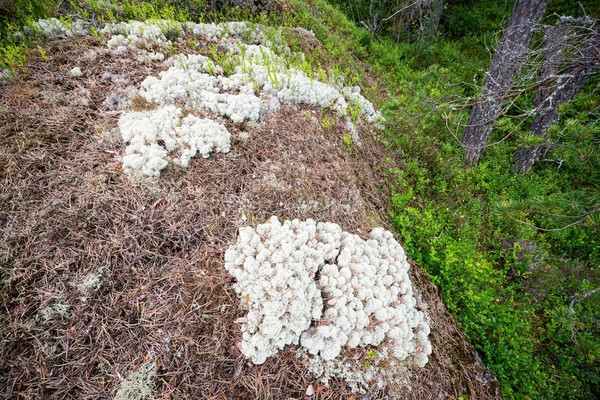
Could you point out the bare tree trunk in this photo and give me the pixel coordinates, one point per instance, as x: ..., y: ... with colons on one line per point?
x: 554, y: 44
x: 506, y: 63
x: 567, y: 87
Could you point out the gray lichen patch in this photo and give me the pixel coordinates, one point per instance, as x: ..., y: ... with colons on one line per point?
x: 271, y: 180
x: 47, y: 349
x: 59, y: 309
x: 89, y: 283
x: 139, y: 384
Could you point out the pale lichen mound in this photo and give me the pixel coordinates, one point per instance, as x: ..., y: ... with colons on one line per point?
x: 54, y: 28
x: 275, y: 267
x: 274, y: 75
x: 139, y: 384
x: 140, y: 48
x: 261, y: 73
x: 76, y: 72
x: 370, y: 300
x: 364, y: 289
x: 162, y: 30
x: 188, y: 83
x: 156, y: 138
x: 264, y: 69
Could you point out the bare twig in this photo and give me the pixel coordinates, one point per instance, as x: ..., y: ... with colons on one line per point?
x: 393, y: 15
x: 581, y: 218
x: 572, y: 310
x: 46, y: 70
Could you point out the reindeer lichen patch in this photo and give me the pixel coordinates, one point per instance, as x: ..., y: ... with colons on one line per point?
x: 57, y: 310
x: 76, y: 72
x: 88, y: 283
x: 139, y: 384
x: 362, y: 297
x: 159, y: 137
x: 54, y: 28
x: 238, y: 85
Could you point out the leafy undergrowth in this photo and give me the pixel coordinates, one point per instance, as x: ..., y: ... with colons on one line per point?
x: 508, y: 284
x: 118, y: 289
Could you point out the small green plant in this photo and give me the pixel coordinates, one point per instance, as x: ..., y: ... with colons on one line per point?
x: 347, y: 139
x: 242, y: 57
x: 210, y: 67
x: 42, y: 52
x: 227, y: 61
x: 327, y: 122
x: 370, y: 357
x: 272, y: 69
x: 355, y: 110
x: 94, y: 32
x: 306, y: 67
x: 13, y: 57
x: 323, y: 75
x: 172, y: 48
x: 192, y: 42
x: 169, y: 28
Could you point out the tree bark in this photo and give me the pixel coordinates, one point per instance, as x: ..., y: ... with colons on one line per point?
x: 506, y: 63
x: 554, y: 44
x: 567, y: 87
x: 555, y: 40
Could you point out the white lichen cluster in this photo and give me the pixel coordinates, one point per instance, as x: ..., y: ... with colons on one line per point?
x: 59, y: 309
x: 89, y: 283
x: 370, y: 300
x: 157, y: 137
x: 272, y: 182
x: 274, y: 75
x: 140, y: 48
x: 360, y: 374
x: 54, y: 28
x: 261, y: 74
x: 256, y: 64
x: 163, y: 31
x: 363, y: 296
x: 275, y: 268
x: 139, y: 385
x: 76, y: 72
x: 138, y: 38
x: 188, y: 83
x: 152, y: 30
x: 197, y: 83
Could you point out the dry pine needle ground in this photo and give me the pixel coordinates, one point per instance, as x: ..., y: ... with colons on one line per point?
x: 161, y: 294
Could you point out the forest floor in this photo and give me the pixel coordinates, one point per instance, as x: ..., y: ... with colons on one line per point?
x: 100, y: 275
